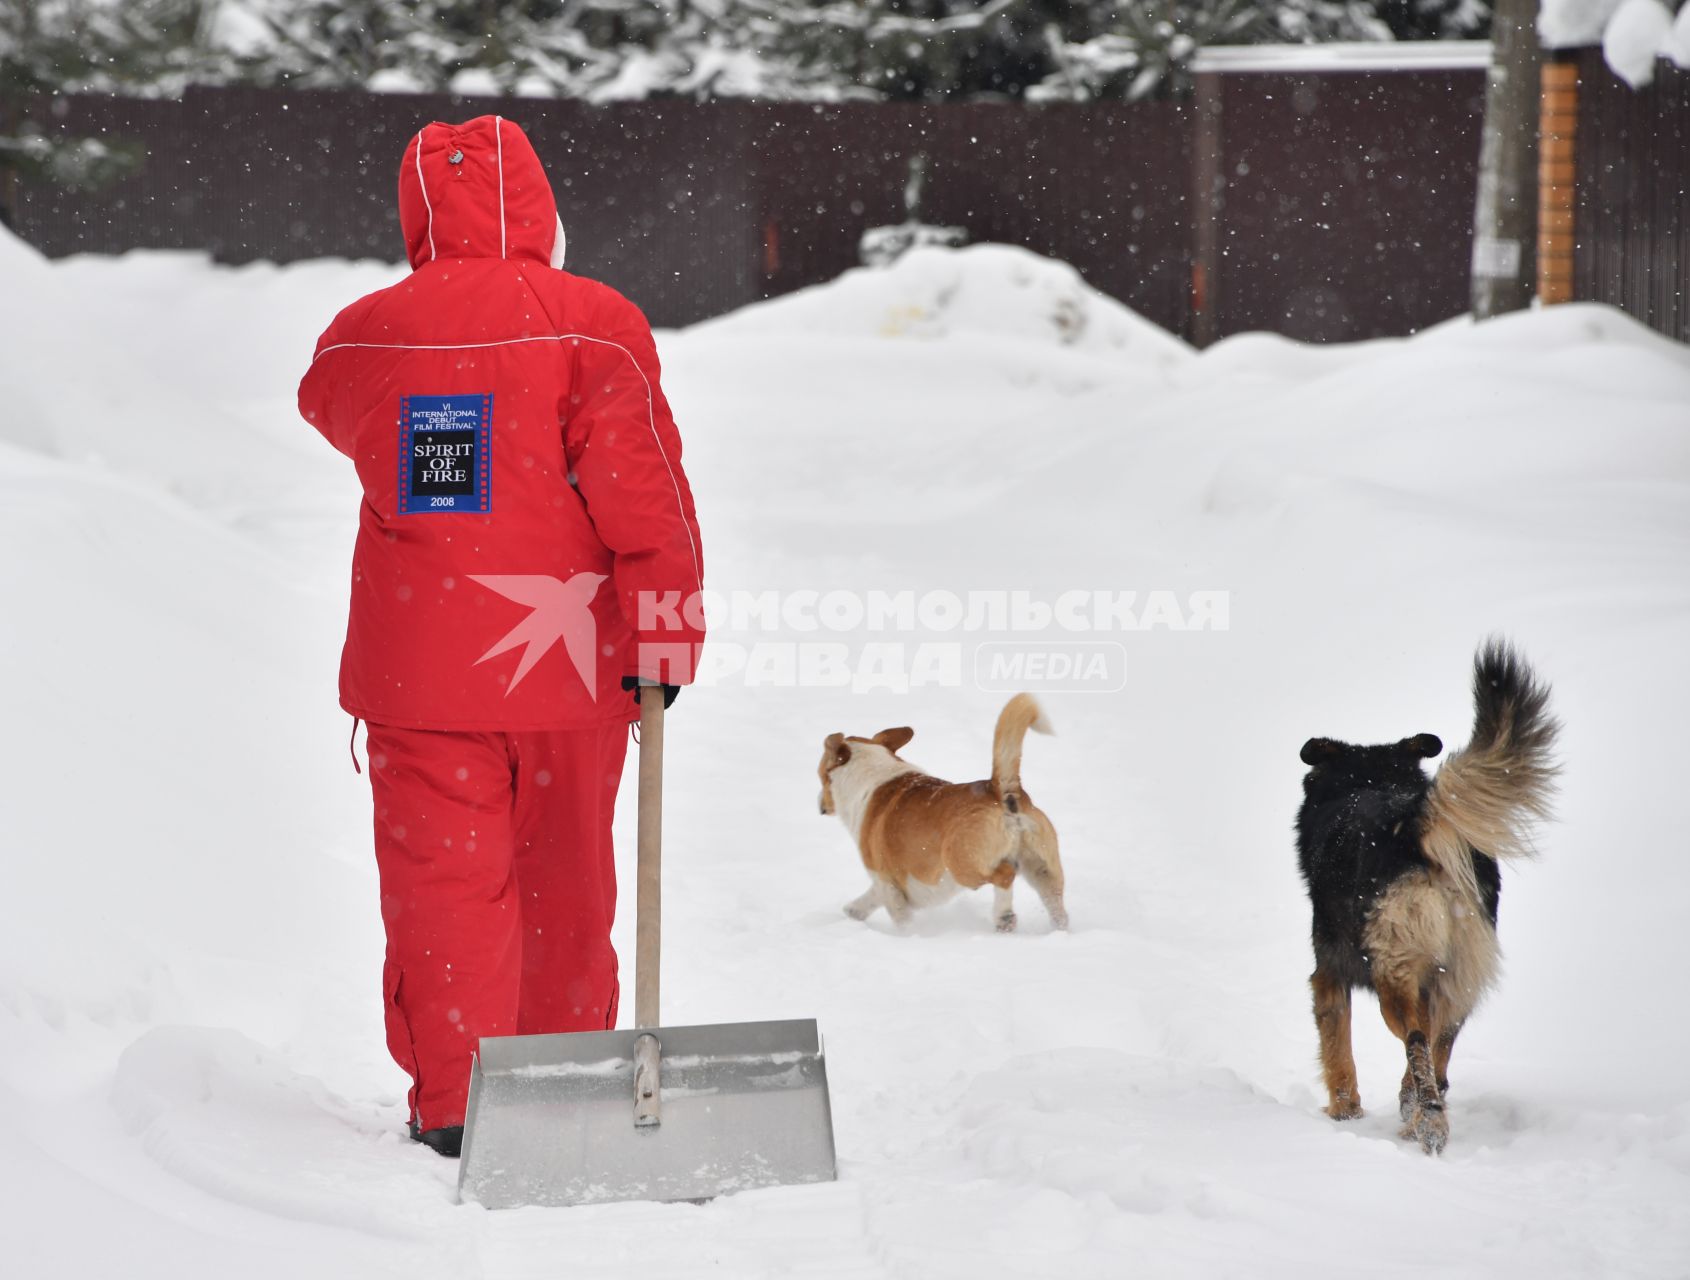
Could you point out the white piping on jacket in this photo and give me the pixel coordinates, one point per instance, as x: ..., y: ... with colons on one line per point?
x: 499, y: 137
x: 424, y: 187
x: 650, y: 403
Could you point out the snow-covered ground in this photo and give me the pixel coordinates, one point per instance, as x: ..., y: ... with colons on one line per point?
x: 191, y: 1062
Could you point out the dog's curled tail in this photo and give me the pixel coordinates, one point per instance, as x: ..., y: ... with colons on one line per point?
x: 1489, y: 795
x: 1020, y: 713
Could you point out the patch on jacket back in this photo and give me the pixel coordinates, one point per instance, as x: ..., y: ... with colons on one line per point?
x: 444, y: 461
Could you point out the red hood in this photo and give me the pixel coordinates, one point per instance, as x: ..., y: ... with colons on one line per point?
x: 476, y: 190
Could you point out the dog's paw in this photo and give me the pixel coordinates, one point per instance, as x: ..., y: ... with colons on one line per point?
x: 1344, y: 1109
x: 1006, y: 924
x: 1405, y: 1103
x: 1430, y: 1128
x: 861, y: 908
x: 1059, y: 919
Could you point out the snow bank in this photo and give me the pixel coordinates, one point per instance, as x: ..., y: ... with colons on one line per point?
x: 227, y: 1115
x: 191, y: 1053
x: 988, y: 291
x: 17, y: 256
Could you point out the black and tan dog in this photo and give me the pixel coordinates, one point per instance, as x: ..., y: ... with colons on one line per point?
x: 1402, y: 874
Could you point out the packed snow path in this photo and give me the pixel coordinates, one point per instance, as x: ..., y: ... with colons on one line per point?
x: 191, y: 1053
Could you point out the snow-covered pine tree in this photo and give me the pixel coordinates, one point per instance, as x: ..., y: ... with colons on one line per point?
x: 567, y: 48
x: 1321, y: 21
x: 931, y: 50
x: 1142, y: 48
x: 1435, y: 19
x: 898, y: 49
x: 323, y: 44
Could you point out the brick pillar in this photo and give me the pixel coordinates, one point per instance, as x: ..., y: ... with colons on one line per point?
x: 1556, y: 180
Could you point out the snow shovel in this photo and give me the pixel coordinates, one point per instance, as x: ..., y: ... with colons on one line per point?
x: 651, y: 1113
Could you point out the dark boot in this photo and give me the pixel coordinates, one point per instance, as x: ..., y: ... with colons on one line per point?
x: 448, y: 1141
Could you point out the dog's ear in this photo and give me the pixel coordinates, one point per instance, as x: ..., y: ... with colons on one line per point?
x: 1423, y: 746
x: 836, y: 750
x: 892, y: 739
x: 1319, y: 750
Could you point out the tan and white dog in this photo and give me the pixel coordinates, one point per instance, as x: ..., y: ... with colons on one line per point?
x: 924, y: 840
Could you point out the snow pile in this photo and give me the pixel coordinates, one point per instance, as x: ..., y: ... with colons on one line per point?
x: 989, y: 291
x: 1632, y: 33
x: 191, y: 1051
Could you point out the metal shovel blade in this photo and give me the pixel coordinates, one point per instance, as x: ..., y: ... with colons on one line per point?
x: 551, y: 1117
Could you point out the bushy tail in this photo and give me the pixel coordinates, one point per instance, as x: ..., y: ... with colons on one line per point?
x: 1489, y: 795
x: 1021, y: 713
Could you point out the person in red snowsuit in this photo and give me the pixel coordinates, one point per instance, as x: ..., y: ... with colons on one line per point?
x: 527, y: 552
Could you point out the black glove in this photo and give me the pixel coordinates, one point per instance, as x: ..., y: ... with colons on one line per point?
x: 670, y: 691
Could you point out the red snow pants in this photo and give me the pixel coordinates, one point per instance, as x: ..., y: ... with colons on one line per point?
x: 498, y: 889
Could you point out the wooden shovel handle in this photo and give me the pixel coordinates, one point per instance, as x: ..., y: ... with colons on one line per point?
x: 648, y: 920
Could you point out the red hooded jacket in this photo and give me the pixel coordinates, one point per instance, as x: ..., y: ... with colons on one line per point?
x: 521, y: 470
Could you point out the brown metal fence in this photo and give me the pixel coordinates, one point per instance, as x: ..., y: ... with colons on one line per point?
x: 655, y: 197
x: 1345, y: 200
x: 1321, y: 205
x: 1631, y: 225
